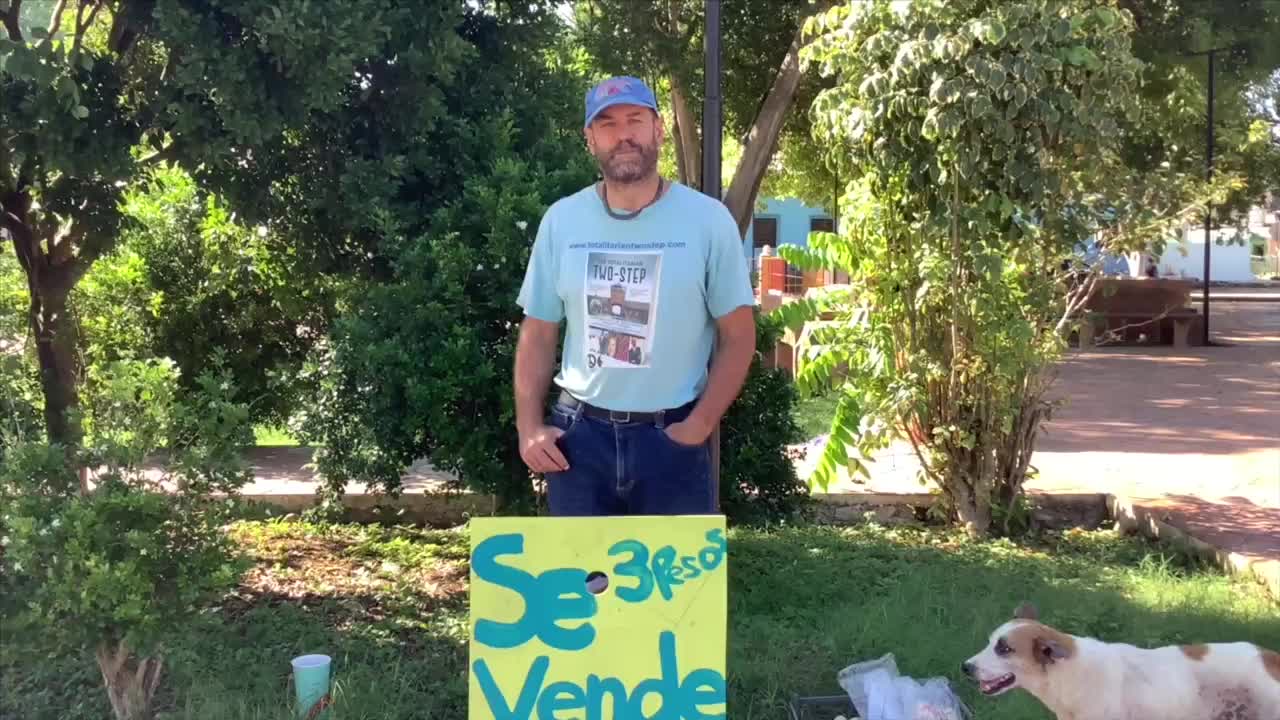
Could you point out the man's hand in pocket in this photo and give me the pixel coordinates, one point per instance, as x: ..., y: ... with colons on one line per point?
x: 539, y: 451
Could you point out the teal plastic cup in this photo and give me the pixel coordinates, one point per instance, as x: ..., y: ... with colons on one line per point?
x: 311, y: 682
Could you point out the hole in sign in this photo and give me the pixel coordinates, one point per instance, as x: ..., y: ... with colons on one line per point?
x: 597, y: 582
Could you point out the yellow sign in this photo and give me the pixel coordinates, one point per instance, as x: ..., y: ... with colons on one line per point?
x: 620, y: 618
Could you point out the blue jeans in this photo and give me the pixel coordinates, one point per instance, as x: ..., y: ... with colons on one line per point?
x: 628, y: 468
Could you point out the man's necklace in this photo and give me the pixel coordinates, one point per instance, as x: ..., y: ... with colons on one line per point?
x: 604, y: 193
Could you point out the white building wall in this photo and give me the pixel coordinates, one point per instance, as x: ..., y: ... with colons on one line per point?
x: 1227, y: 263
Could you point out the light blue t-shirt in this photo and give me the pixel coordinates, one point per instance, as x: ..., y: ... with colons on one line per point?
x: 640, y: 297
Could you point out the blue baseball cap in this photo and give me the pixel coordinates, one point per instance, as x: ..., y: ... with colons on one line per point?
x: 618, y: 91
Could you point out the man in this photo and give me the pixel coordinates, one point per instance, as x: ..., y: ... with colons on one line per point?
x: 647, y: 274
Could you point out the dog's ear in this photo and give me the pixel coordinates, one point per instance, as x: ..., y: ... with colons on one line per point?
x: 1026, y: 611
x: 1048, y: 650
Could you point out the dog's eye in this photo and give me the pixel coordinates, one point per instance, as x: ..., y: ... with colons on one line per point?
x: 1002, y: 647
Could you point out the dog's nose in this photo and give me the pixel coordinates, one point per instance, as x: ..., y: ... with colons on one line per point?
x: 966, y: 667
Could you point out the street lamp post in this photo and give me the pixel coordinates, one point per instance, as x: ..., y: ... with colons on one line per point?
x: 1208, y: 212
x: 712, y: 115
x: 712, y: 124
x: 1210, y: 54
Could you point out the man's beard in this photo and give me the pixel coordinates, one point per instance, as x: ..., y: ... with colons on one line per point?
x: 629, y: 168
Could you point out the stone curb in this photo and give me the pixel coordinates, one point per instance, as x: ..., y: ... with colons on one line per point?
x: 1132, y: 516
x: 1250, y: 298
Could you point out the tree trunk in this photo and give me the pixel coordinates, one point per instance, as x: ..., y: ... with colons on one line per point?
x: 681, y: 173
x: 131, y: 681
x: 50, y: 277
x: 56, y: 350
x: 688, y: 148
x: 762, y: 140
x: 686, y: 140
x: 973, y: 510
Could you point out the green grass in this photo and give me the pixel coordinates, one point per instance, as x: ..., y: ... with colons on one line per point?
x: 814, y: 415
x: 390, y: 606
x: 268, y: 436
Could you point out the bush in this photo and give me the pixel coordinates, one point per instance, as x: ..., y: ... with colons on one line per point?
x: 418, y: 363
x: 758, y: 481
x: 193, y: 281
x: 969, y: 189
x: 20, y: 401
x: 118, y: 568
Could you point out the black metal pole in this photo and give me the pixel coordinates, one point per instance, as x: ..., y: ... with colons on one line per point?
x: 712, y: 115
x: 1208, y: 213
x: 712, y: 124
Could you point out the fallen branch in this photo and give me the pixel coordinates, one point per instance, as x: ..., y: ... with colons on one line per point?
x: 1111, y: 333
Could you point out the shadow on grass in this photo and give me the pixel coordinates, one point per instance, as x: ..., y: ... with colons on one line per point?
x: 804, y: 608
x: 395, y: 661
x: 389, y: 606
x: 389, y: 659
x: 803, y: 603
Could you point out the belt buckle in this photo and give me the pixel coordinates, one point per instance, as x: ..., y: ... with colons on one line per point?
x: 619, y: 417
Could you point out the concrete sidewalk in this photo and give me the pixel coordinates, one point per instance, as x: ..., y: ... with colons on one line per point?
x: 1182, y: 441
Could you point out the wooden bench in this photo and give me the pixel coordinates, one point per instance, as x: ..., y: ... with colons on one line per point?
x: 1181, y: 317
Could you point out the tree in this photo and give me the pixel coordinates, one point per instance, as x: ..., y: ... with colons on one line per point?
x: 119, y: 570
x: 985, y: 142
x: 19, y: 388
x: 763, y: 78
x: 94, y: 96
x: 416, y: 203
x: 1170, y: 37
x: 418, y: 363
x: 191, y: 281
x: 1265, y: 101
x: 96, y: 92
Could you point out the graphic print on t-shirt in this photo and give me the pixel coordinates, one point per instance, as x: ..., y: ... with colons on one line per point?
x: 621, y: 303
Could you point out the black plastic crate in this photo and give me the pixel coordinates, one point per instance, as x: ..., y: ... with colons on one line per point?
x: 821, y: 707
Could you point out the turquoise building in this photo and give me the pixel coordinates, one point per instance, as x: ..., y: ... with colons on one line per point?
x: 784, y: 222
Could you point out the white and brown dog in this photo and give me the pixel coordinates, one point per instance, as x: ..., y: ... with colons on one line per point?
x: 1080, y: 678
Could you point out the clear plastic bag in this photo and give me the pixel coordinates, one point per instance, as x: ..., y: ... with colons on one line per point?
x: 879, y: 692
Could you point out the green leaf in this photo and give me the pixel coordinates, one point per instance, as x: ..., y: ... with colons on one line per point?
x: 796, y: 314
x: 994, y: 32
x: 1006, y: 207
x: 68, y: 89
x: 1091, y: 61
x: 929, y: 129
x: 935, y: 89
x: 1106, y: 17
x: 1078, y: 55
x: 1062, y: 29
x: 805, y: 258
x: 996, y: 77
x: 80, y: 112
x: 1020, y: 95
x: 21, y: 65
x: 836, y: 453
x: 982, y: 106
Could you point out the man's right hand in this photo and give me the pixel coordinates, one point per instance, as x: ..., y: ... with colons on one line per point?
x: 539, y: 451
